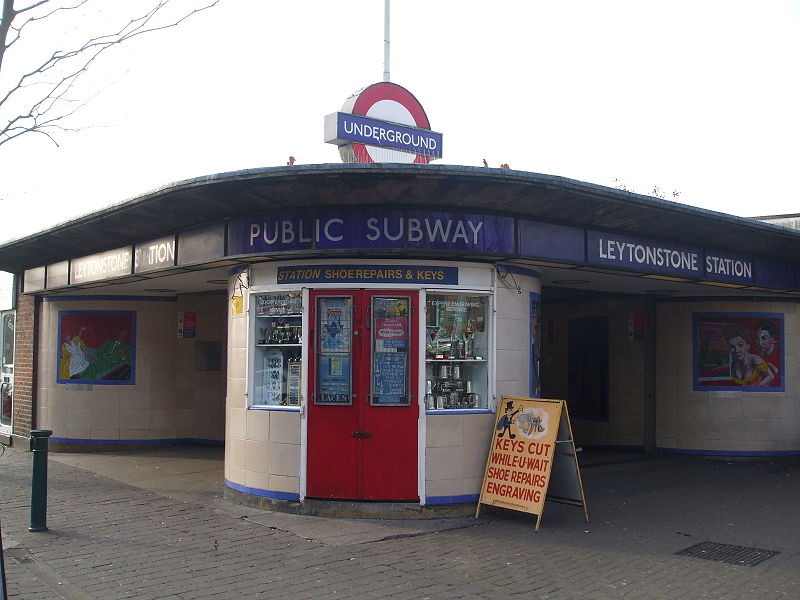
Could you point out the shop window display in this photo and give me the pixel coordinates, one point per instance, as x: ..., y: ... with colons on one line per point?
x: 456, y: 352
x: 278, y: 336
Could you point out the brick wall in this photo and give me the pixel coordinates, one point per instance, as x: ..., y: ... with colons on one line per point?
x: 24, y: 366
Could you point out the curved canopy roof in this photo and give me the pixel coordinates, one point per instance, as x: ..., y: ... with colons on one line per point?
x: 539, y: 197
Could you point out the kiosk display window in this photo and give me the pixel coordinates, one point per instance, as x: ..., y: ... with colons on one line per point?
x: 278, y: 328
x: 456, y: 352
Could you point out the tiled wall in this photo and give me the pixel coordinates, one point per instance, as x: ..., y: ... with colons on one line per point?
x: 723, y: 421
x: 737, y: 422
x: 512, y: 339
x: 262, y: 448
x: 456, y: 452
x: 170, y: 400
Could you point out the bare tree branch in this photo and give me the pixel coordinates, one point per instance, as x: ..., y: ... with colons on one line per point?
x: 52, y: 105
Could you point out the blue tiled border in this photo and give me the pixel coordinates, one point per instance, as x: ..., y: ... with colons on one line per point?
x: 452, y: 499
x: 465, y: 411
x: 731, y: 453
x: 115, y: 298
x: 157, y: 442
x: 263, y: 493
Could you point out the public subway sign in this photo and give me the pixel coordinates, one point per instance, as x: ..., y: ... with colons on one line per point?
x: 373, y: 229
x: 650, y: 256
x: 342, y: 128
x: 367, y: 274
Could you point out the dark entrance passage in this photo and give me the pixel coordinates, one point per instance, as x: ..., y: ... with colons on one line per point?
x: 587, y: 393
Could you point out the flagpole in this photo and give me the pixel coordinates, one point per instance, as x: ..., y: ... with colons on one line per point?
x: 386, y: 40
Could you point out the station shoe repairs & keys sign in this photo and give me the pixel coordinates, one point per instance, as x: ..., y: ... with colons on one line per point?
x: 532, y: 458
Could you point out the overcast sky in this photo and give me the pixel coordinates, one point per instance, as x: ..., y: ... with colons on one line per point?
x: 699, y: 97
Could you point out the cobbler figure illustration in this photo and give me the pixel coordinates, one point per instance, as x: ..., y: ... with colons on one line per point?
x: 505, y: 422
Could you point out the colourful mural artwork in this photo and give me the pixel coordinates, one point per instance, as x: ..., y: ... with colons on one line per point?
x: 738, y: 351
x: 97, y: 347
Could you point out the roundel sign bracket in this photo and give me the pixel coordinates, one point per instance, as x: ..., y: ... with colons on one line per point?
x: 384, y: 122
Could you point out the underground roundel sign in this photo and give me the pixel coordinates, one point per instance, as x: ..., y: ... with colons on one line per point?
x: 383, y: 123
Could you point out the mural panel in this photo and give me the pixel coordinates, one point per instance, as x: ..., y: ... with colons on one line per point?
x: 97, y: 347
x: 738, y: 351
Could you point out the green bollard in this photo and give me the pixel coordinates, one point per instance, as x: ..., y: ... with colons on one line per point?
x: 39, y: 441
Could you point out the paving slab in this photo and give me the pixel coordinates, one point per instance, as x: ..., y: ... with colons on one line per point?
x: 109, y: 539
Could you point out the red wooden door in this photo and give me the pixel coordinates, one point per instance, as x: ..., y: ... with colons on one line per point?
x: 363, y: 409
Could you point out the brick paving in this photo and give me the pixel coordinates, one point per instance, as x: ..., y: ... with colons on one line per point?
x: 109, y: 540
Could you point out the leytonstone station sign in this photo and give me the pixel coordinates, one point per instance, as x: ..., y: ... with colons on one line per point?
x: 383, y: 123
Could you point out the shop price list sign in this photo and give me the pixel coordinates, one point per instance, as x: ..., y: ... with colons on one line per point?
x: 532, y: 458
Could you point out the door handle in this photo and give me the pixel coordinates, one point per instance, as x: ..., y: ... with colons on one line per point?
x: 362, y: 435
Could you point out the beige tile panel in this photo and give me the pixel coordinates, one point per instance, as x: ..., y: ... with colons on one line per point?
x: 201, y: 417
x: 135, y: 400
x: 512, y: 334
x: 667, y: 427
x: 235, y: 453
x: 163, y: 419
x: 257, y: 457
x: 518, y: 388
x: 692, y: 407
x: 783, y: 446
x: 237, y: 337
x: 237, y: 362
x: 235, y: 394
x: 235, y: 475
x: 281, y: 483
x: 473, y: 485
x: 284, y: 459
x: 478, y: 430
x: 105, y: 419
x: 785, y: 430
x: 722, y: 429
x: 259, y: 481
x: 725, y: 408
x: 105, y: 434
x: 512, y: 364
x: 210, y: 398
x: 73, y: 400
x: 444, y: 487
x: 666, y: 405
x: 105, y: 400
x: 445, y: 431
x: 236, y: 423
x: 445, y: 463
x: 754, y: 430
x: 56, y: 420
x: 782, y: 407
x: 284, y: 427
x: 474, y: 463
x: 257, y: 425
x: 755, y: 408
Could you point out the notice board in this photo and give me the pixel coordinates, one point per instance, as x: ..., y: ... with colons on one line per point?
x: 532, y: 458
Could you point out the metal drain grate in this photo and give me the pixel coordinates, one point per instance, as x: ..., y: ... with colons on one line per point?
x: 728, y: 553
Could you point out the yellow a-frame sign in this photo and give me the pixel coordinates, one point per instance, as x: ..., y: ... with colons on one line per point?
x: 532, y: 458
